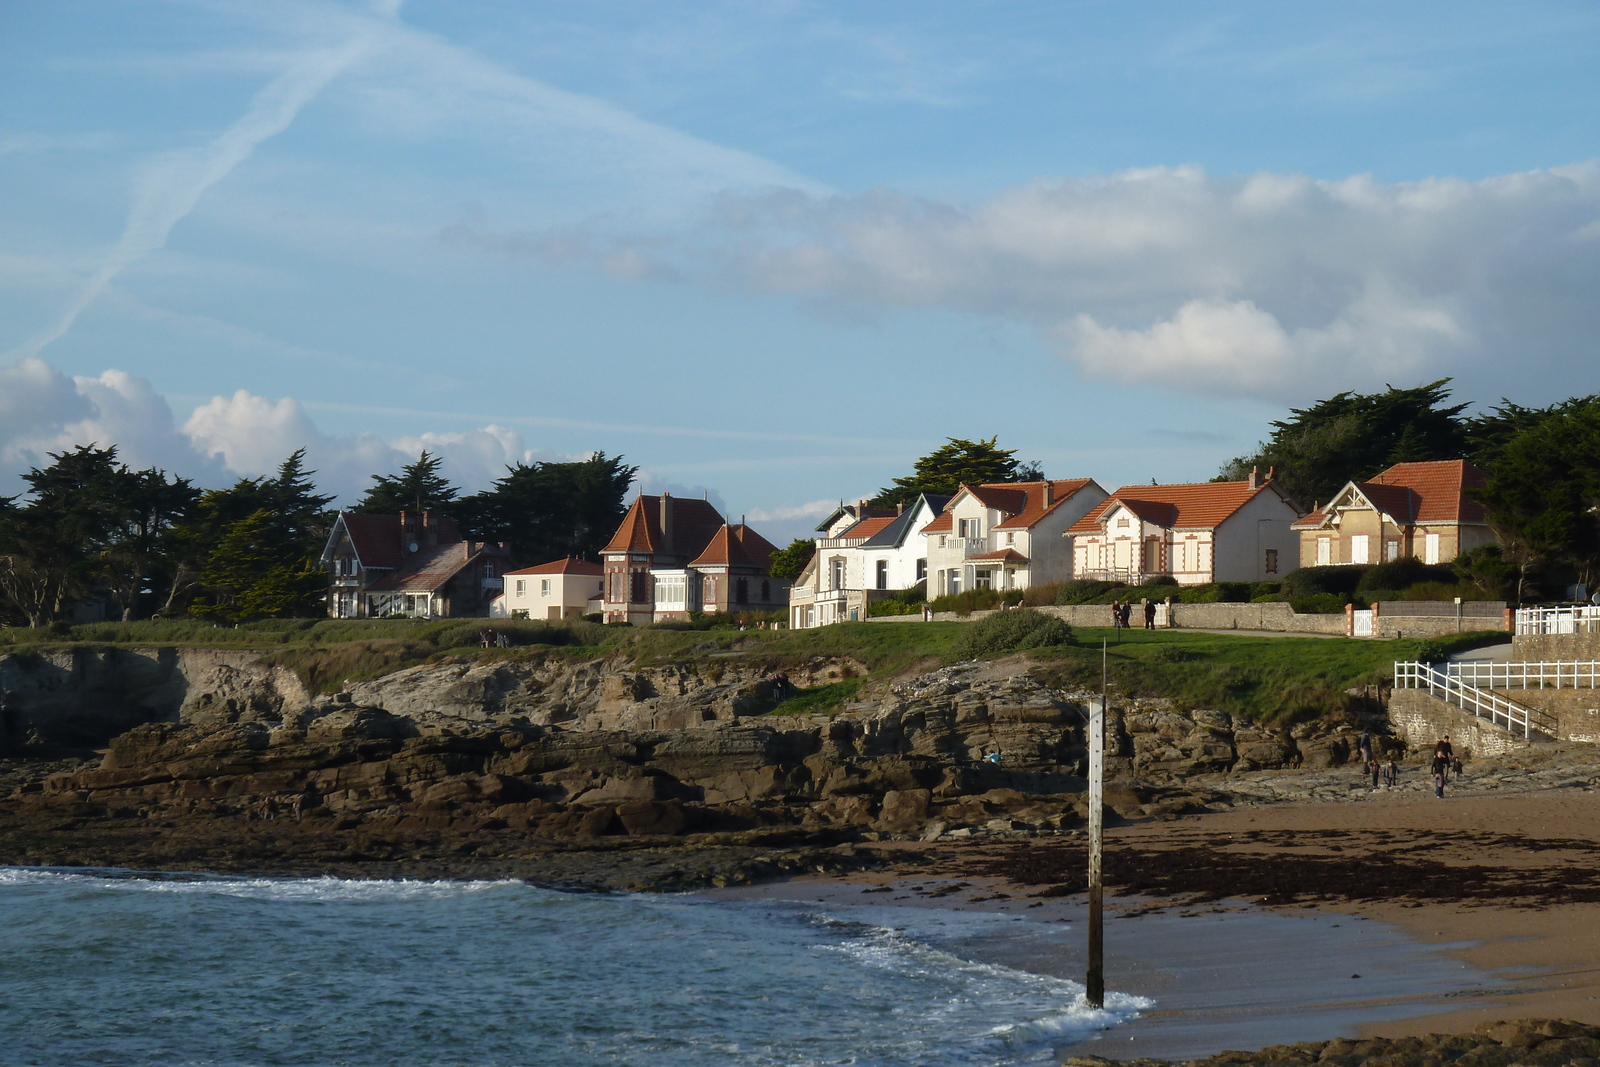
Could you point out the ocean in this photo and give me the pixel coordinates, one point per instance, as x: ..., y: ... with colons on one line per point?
x: 117, y: 967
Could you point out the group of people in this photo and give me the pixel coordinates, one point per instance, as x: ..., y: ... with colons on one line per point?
x: 494, y: 639
x: 1445, y: 763
x: 268, y: 807
x: 1122, y: 614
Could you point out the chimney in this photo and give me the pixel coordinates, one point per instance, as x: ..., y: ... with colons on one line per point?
x: 1255, y: 477
x: 666, y: 521
x: 1271, y: 472
x: 900, y: 508
x: 1049, y: 492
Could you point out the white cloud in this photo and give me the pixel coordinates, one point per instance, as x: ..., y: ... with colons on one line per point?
x: 815, y: 509
x: 1271, y: 285
x: 243, y: 435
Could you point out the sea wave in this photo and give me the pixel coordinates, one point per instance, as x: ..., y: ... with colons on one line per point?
x: 324, y: 889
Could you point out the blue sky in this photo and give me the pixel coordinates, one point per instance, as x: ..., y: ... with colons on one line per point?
x: 776, y: 251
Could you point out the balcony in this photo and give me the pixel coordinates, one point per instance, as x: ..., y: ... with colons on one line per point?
x: 971, y: 546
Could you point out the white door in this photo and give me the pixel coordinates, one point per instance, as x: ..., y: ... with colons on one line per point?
x: 1430, y: 548
x: 1324, y: 551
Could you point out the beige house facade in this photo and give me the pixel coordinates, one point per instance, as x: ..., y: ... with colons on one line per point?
x: 1193, y: 533
x: 564, y: 589
x: 1417, y: 510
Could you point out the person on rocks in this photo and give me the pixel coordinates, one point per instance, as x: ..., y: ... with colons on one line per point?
x: 1149, y: 614
x: 1441, y: 769
x: 299, y: 806
x: 1391, y: 773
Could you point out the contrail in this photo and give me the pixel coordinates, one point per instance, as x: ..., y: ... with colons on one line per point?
x: 170, y: 189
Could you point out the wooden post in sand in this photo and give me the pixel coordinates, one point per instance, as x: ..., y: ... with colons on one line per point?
x: 1095, y: 983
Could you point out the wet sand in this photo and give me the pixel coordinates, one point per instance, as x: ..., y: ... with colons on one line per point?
x: 1247, y: 927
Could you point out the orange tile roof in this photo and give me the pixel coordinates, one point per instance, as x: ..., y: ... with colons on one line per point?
x: 570, y: 565
x: 1061, y: 490
x: 869, y: 526
x: 944, y: 522
x: 693, y: 524
x: 1417, y: 494
x: 1441, y: 488
x: 1197, y: 505
x: 736, y: 546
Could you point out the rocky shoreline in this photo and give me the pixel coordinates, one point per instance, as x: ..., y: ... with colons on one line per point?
x: 1531, y: 1042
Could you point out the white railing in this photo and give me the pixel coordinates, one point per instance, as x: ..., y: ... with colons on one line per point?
x: 1583, y: 674
x: 1580, y: 619
x: 1507, y: 714
x: 974, y: 546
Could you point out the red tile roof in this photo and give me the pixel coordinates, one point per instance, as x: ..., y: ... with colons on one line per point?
x: 1441, y: 486
x: 693, y: 524
x: 1005, y: 555
x: 1198, y: 505
x: 944, y: 522
x: 1061, y: 490
x: 1417, y: 493
x: 376, y: 538
x: 869, y: 526
x: 570, y: 565
x: 736, y: 546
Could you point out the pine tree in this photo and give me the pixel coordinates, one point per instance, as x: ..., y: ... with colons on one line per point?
x: 957, y: 462
x: 419, y: 487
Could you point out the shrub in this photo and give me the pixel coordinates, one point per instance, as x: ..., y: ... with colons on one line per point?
x: 965, y: 603
x: 1038, y: 596
x: 1318, y: 603
x: 1400, y: 573
x: 1331, y: 579
x: 1012, y: 631
x: 1083, y: 591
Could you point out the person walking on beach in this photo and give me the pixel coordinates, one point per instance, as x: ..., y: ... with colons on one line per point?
x: 1441, y: 768
x: 1391, y: 773
x: 1149, y: 614
x: 1444, y: 749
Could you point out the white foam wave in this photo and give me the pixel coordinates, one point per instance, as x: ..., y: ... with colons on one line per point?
x: 297, y: 890
x: 1045, y: 1010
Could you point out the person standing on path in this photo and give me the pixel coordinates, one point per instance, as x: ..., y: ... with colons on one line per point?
x: 1149, y: 614
x: 1127, y: 613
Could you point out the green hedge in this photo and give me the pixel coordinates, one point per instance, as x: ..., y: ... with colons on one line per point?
x: 1012, y: 631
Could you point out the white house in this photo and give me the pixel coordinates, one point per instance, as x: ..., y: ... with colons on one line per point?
x: 1196, y: 533
x: 563, y: 589
x: 1006, y: 535
x: 862, y: 552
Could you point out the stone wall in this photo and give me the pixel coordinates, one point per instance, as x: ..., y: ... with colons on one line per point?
x: 1577, y: 711
x: 1272, y: 617
x: 1547, y: 648
x: 1422, y: 719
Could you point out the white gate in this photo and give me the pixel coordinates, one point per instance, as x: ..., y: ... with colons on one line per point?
x: 1362, y: 622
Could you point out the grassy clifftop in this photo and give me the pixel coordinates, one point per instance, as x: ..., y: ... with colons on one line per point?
x: 1271, y: 679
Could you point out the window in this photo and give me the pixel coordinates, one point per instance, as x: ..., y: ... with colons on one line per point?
x: 961, y: 527
x: 1272, y: 561
x: 522, y: 587
x: 670, y: 589
x: 1011, y: 538
x: 981, y: 580
x: 488, y: 570
x: 883, y: 574
x: 1430, y: 548
x: 922, y: 570
x: 836, y: 573
x: 544, y: 587
x: 766, y: 591
x: 639, y: 594
x: 1391, y: 551
x: 741, y: 591
x: 1358, y: 549
x: 955, y: 581
x: 1324, y: 551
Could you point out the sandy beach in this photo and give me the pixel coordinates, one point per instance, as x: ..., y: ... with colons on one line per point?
x: 1396, y: 915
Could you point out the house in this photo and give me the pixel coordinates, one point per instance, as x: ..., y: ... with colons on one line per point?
x: 1006, y: 535
x: 414, y: 564
x: 1197, y: 533
x: 671, y: 556
x: 563, y: 589
x: 1422, y: 510
x: 864, y: 553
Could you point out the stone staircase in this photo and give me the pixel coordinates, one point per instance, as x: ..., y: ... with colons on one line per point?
x: 1493, y: 709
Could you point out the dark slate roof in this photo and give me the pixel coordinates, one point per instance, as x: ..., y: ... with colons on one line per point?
x: 894, y: 535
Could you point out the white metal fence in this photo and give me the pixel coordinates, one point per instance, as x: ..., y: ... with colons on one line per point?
x: 1580, y: 619
x: 1507, y: 714
x: 1554, y: 675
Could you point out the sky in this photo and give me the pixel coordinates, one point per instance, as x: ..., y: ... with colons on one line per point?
x: 773, y: 252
